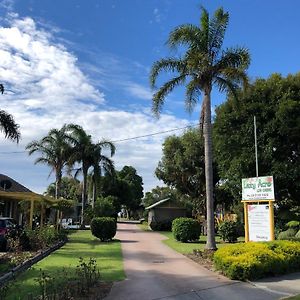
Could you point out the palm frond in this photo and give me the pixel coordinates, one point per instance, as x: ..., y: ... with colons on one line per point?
x: 185, y: 35
x: 237, y: 57
x: 204, y: 23
x: 108, y: 144
x: 168, y: 65
x: 225, y: 85
x: 159, y: 96
x: 236, y: 76
x: 192, y: 93
x: 9, y: 127
x: 217, y: 28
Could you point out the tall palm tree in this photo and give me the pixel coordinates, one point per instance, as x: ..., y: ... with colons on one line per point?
x: 7, y: 123
x: 82, y: 147
x: 203, y: 65
x: 101, y: 163
x: 87, y: 153
x: 54, y: 149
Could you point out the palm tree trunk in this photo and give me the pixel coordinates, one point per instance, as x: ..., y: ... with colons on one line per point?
x: 58, y: 183
x: 94, y: 191
x: 57, y: 193
x: 84, y: 193
x: 207, y: 133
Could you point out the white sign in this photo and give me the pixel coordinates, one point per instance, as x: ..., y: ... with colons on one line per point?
x: 259, y: 223
x: 258, y: 188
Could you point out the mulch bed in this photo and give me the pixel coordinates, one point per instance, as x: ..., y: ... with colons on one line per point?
x: 98, y: 292
x: 203, y: 258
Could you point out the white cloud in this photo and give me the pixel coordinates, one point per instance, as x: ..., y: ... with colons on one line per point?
x: 157, y: 15
x: 138, y: 90
x: 49, y: 89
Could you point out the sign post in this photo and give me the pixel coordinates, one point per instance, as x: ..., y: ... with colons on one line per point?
x: 258, y: 198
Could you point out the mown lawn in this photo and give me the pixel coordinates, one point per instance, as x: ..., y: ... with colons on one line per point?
x: 186, y: 248
x: 80, y: 244
x: 144, y: 226
x: 297, y: 297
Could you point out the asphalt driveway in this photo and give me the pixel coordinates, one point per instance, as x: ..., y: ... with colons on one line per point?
x: 154, y: 271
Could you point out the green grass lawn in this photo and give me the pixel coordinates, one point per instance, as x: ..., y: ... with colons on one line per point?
x: 144, y: 226
x: 186, y: 248
x: 297, y: 297
x: 80, y: 244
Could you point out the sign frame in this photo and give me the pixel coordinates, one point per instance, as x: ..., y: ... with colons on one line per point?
x: 254, y: 201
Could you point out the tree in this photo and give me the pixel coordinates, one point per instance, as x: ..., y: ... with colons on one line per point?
x: 101, y: 164
x: 7, y: 123
x: 70, y: 189
x: 54, y: 149
x: 159, y: 193
x: 276, y: 104
x: 87, y: 153
x: 126, y: 185
x: 182, y: 167
x: 135, y: 182
x: 202, y: 66
x: 104, y: 207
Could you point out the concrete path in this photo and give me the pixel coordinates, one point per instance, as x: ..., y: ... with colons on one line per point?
x: 154, y: 271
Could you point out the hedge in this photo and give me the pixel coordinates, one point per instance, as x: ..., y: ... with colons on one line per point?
x: 257, y: 260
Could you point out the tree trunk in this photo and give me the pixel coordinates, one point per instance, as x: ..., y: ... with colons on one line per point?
x: 58, y: 183
x: 57, y: 194
x: 94, y: 192
x: 84, y: 194
x: 207, y: 133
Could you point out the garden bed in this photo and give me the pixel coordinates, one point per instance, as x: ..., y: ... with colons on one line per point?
x: 63, y: 263
x: 257, y: 260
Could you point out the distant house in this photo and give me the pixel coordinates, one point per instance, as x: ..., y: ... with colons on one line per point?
x: 10, y: 208
x: 164, y: 212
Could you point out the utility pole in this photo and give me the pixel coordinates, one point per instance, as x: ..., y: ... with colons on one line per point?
x: 255, y: 141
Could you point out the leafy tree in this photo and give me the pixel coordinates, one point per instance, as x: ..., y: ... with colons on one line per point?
x: 182, y: 167
x: 70, y: 189
x: 54, y: 149
x: 126, y: 185
x: 158, y: 194
x: 276, y: 104
x: 135, y: 182
x: 7, y: 123
x: 104, y: 207
x: 202, y: 66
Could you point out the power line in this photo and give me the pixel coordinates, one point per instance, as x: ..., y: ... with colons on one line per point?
x: 123, y: 140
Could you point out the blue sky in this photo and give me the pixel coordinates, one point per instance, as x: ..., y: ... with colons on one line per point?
x: 88, y: 62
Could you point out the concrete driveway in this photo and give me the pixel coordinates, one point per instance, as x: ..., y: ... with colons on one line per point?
x: 154, y: 271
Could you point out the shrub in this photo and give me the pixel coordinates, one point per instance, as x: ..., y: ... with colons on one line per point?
x: 104, y: 228
x: 44, y: 237
x: 297, y: 235
x: 256, y: 260
x: 293, y: 224
x: 229, y: 231
x: 186, y: 229
x: 104, y: 207
x: 287, y: 234
x: 161, y: 225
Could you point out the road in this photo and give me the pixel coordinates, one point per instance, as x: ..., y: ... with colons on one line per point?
x: 154, y: 271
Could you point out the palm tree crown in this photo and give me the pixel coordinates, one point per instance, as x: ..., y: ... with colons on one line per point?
x: 203, y: 65
x: 54, y: 149
x: 7, y: 123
